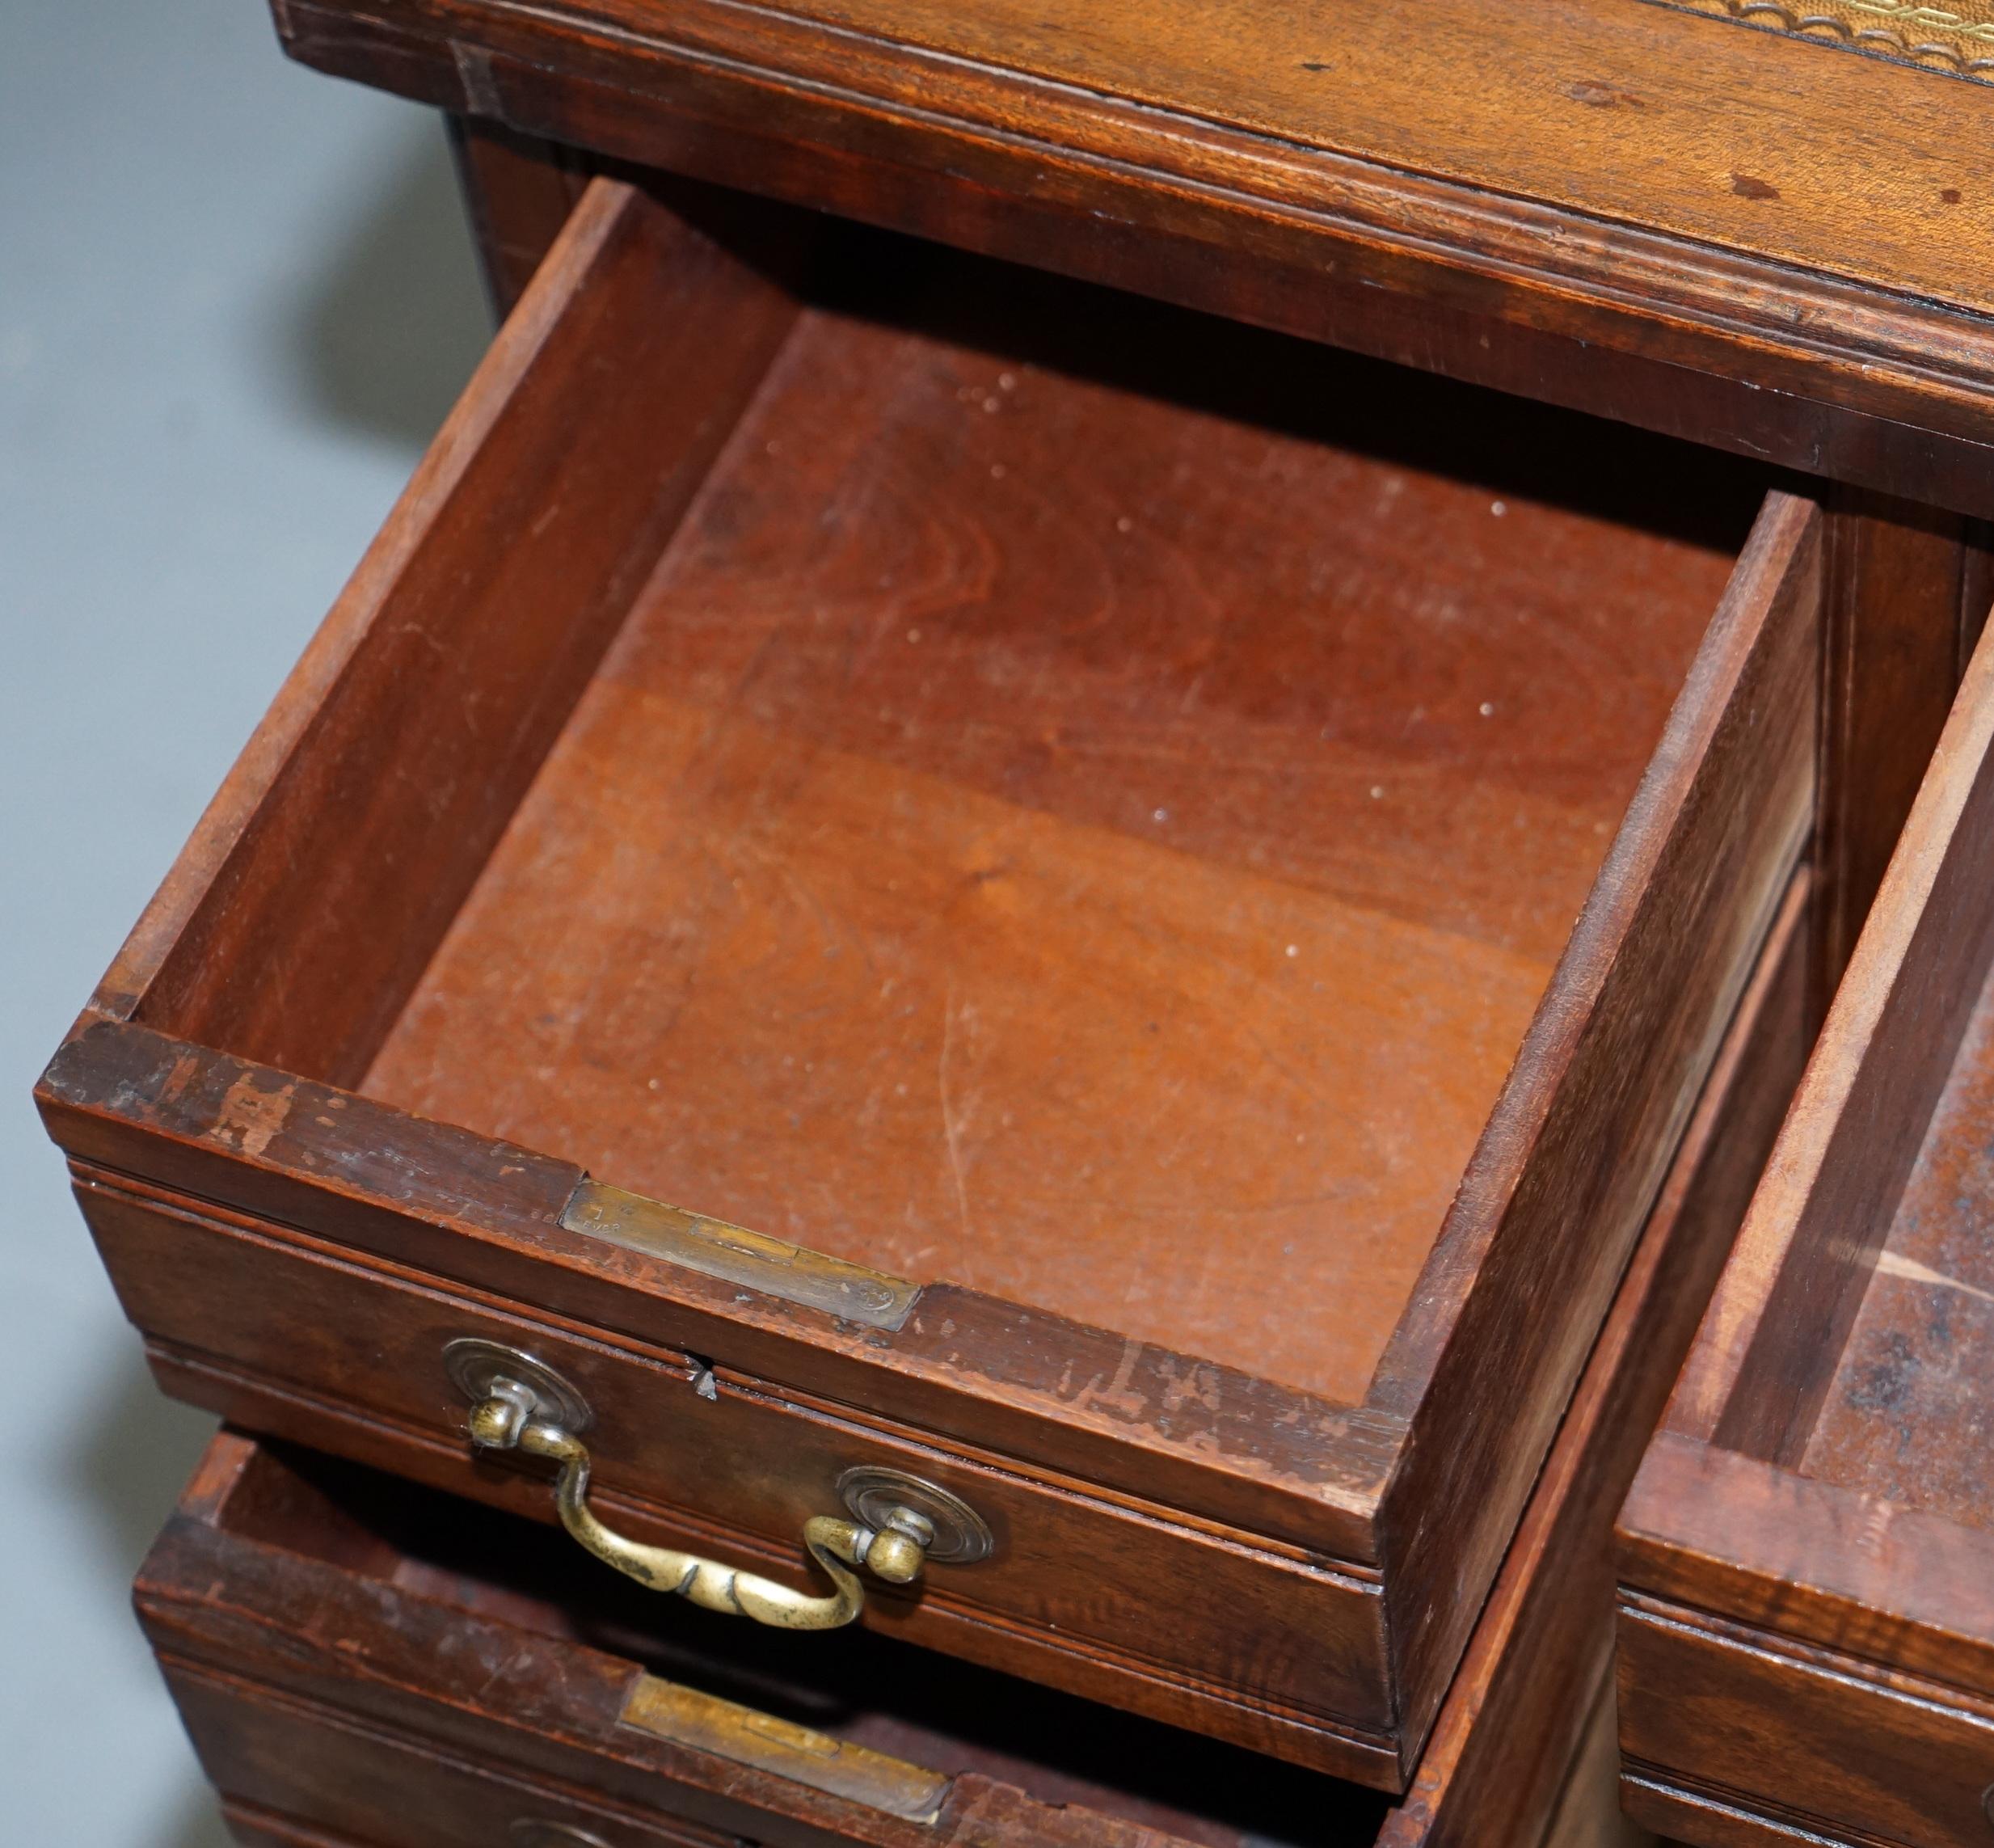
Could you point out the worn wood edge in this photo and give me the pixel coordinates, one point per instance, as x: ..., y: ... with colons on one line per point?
x: 467, y: 1208
x: 719, y: 1795
x: 1395, y: 304
x: 1775, y: 554
x: 533, y: 1321
x: 1729, y: 1657
x: 590, y: 233
x: 1463, y: 1312
x: 1900, y: 921
x: 1610, y: 281
x: 1464, y: 1789
x: 536, y: 1321
x: 1753, y: 1543
x: 531, y: 1784
x: 1693, y: 1815
x: 1431, y: 1813
x: 1783, y: 1651
x: 410, y: 1425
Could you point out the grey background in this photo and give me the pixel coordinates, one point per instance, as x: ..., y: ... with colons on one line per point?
x: 235, y: 299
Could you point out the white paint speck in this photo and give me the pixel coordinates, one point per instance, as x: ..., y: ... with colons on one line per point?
x: 1498, y: 508
x: 1295, y: 950
x: 1160, y: 815
x: 1488, y: 712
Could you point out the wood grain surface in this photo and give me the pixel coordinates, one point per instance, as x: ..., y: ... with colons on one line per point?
x: 1576, y: 1151
x: 1883, y: 1060
x: 463, y: 641
x: 1904, y: 1419
x: 1723, y: 234
x: 1507, y: 1735
x: 1066, y: 885
x: 1807, y: 1640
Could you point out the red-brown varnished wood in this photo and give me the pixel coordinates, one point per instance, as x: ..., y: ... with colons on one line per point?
x: 1810, y: 1560
x: 341, y: 1686
x: 1807, y: 1643
x: 977, y: 821
x: 947, y: 765
x: 740, y: 1473
x: 1549, y: 1208
x: 1858, y: 1127
x: 1732, y: 236
x: 1544, y: 1634
x: 1827, y: 1748
x: 460, y: 646
x: 1906, y: 590
x: 1905, y: 1417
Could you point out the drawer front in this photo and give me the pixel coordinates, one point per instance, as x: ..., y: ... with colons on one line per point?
x: 301, y: 1773
x: 1717, y: 1730
x: 260, y: 1328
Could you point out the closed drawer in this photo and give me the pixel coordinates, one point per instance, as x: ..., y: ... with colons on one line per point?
x: 1182, y: 888
x: 1807, y: 1627
x: 1751, y: 1737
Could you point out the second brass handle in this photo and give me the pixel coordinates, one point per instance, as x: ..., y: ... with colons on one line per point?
x: 507, y: 1417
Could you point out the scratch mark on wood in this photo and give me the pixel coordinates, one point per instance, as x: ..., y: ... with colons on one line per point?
x: 950, y: 1130
x: 1891, y: 1264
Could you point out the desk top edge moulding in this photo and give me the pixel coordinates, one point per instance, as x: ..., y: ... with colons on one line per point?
x: 1730, y: 236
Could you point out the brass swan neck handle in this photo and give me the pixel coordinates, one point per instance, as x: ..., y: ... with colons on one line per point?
x: 505, y: 1420
x: 519, y: 1404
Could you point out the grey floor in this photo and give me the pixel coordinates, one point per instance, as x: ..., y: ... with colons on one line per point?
x: 235, y: 299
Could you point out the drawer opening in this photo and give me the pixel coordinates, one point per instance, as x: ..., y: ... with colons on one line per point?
x: 986, y: 778
x: 1852, y: 1339
x: 1903, y: 1415
x: 852, y: 1686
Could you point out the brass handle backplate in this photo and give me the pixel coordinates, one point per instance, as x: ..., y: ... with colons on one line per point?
x: 520, y: 1403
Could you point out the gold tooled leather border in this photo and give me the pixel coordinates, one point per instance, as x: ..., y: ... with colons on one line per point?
x: 1958, y: 40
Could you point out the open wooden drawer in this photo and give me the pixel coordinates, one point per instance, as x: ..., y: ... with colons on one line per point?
x: 361, y: 1662
x: 1807, y: 1625
x: 1183, y: 885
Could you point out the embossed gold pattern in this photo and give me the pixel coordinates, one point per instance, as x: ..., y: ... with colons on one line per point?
x: 1958, y: 39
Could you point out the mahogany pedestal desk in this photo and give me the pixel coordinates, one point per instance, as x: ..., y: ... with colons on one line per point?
x: 1064, y: 867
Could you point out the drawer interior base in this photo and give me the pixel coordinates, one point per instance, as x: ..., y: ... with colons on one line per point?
x: 1905, y: 1416
x: 1084, y: 807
